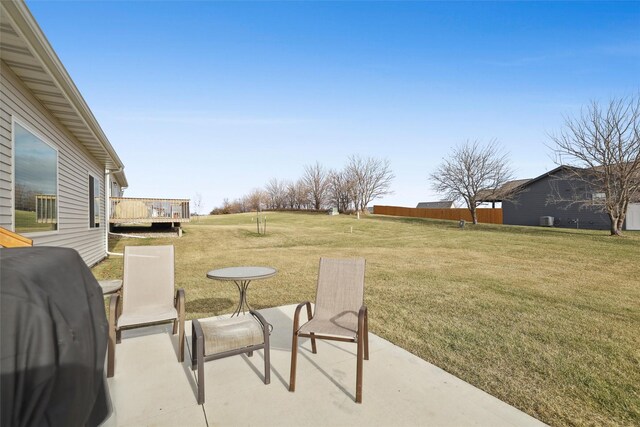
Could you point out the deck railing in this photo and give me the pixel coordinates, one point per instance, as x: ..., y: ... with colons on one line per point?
x: 46, y: 208
x: 142, y: 210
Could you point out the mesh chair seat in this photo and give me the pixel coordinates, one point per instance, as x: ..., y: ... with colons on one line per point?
x: 214, y: 339
x: 222, y: 335
x: 147, y: 315
x: 339, y: 314
x: 331, y: 327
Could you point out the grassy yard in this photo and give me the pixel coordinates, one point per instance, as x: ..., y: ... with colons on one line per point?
x: 547, y: 320
x: 26, y: 222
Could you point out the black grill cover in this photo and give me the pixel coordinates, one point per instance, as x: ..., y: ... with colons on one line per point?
x: 54, y: 339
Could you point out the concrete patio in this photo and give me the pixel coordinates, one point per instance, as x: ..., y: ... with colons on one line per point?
x: 151, y: 388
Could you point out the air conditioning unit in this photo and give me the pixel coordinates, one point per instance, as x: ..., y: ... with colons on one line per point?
x: 546, y: 221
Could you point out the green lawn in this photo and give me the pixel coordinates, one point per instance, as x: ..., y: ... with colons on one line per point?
x: 547, y: 320
x: 26, y: 223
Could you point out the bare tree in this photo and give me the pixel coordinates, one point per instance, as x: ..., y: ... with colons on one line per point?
x: 276, y: 191
x: 297, y: 195
x: 197, y: 204
x: 302, y: 195
x: 315, y: 179
x: 470, y: 169
x: 254, y: 201
x: 371, y: 178
x: 603, y: 147
x: 291, y: 195
x: 340, y: 190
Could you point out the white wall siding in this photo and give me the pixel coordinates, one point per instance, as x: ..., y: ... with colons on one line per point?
x: 74, y: 165
x: 5, y: 163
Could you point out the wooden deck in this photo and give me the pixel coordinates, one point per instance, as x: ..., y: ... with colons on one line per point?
x: 129, y: 210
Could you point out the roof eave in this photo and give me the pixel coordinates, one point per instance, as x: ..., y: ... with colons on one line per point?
x: 41, y: 47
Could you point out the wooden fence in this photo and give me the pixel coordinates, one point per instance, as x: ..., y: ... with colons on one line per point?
x: 485, y: 215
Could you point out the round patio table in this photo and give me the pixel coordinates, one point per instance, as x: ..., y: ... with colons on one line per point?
x: 242, y: 276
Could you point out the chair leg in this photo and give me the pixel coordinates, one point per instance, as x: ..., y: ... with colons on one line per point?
x: 180, y: 322
x: 314, y: 349
x: 111, y: 352
x: 200, y: 356
x: 359, y: 372
x: 366, y: 336
x: 194, y: 346
x: 362, y: 341
x: 181, y: 338
x: 113, y: 335
x: 294, y: 360
x: 118, y: 313
x: 250, y: 353
x: 267, y: 359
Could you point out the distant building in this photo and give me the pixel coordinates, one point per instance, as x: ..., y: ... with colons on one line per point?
x: 500, y: 194
x: 527, y: 202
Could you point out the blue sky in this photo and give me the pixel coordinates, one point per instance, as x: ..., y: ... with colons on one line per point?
x: 217, y: 98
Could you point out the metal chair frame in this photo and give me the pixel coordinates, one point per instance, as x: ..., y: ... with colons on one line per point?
x: 198, y: 357
x: 361, y: 339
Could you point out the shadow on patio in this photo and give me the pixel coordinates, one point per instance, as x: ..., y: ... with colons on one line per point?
x: 151, y: 388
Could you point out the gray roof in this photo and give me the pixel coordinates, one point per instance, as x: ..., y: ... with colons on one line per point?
x: 500, y: 193
x: 442, y: 204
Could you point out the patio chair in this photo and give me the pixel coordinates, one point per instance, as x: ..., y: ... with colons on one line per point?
x: 214, y: 339
x: 340, y: 313
x: 148, y: 298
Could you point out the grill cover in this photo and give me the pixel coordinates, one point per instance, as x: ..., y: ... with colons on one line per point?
x: 53, y: 340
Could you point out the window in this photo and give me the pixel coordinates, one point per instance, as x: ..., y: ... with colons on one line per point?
x: 94, y: 202
x: 35, y: 183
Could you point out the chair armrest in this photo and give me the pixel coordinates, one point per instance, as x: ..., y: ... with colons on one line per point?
x: 197, y: 329
x: 179, y: 300
x: 296, y: 316
x: 113, y: 308
x: 363, y: 310
x: 266, y: 326
x: 362, y: 315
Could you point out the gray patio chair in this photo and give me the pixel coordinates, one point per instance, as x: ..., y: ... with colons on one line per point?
x: 218, y: 338
x: 340, y: 313
x: 148, y: 296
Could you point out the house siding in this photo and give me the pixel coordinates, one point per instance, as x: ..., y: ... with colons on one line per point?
x: 74, y: 165
x: 532, y: 203
x: 5, y: 162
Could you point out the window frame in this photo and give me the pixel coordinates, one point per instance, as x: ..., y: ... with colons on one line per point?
x: 46, y: 141
x: 95, y: 180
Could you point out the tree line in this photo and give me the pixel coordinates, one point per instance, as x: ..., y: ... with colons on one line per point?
x: 352, y: 188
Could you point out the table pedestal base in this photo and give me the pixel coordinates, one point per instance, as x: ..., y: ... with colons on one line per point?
x: 242, y: 285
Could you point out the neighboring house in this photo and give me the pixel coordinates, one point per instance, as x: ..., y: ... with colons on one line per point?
x: 493, y: 197
x: 524, y: 202
x: 442, y: 204
x: 57, y: 167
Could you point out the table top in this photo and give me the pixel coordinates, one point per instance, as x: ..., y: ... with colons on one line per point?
x: 242, y: 273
